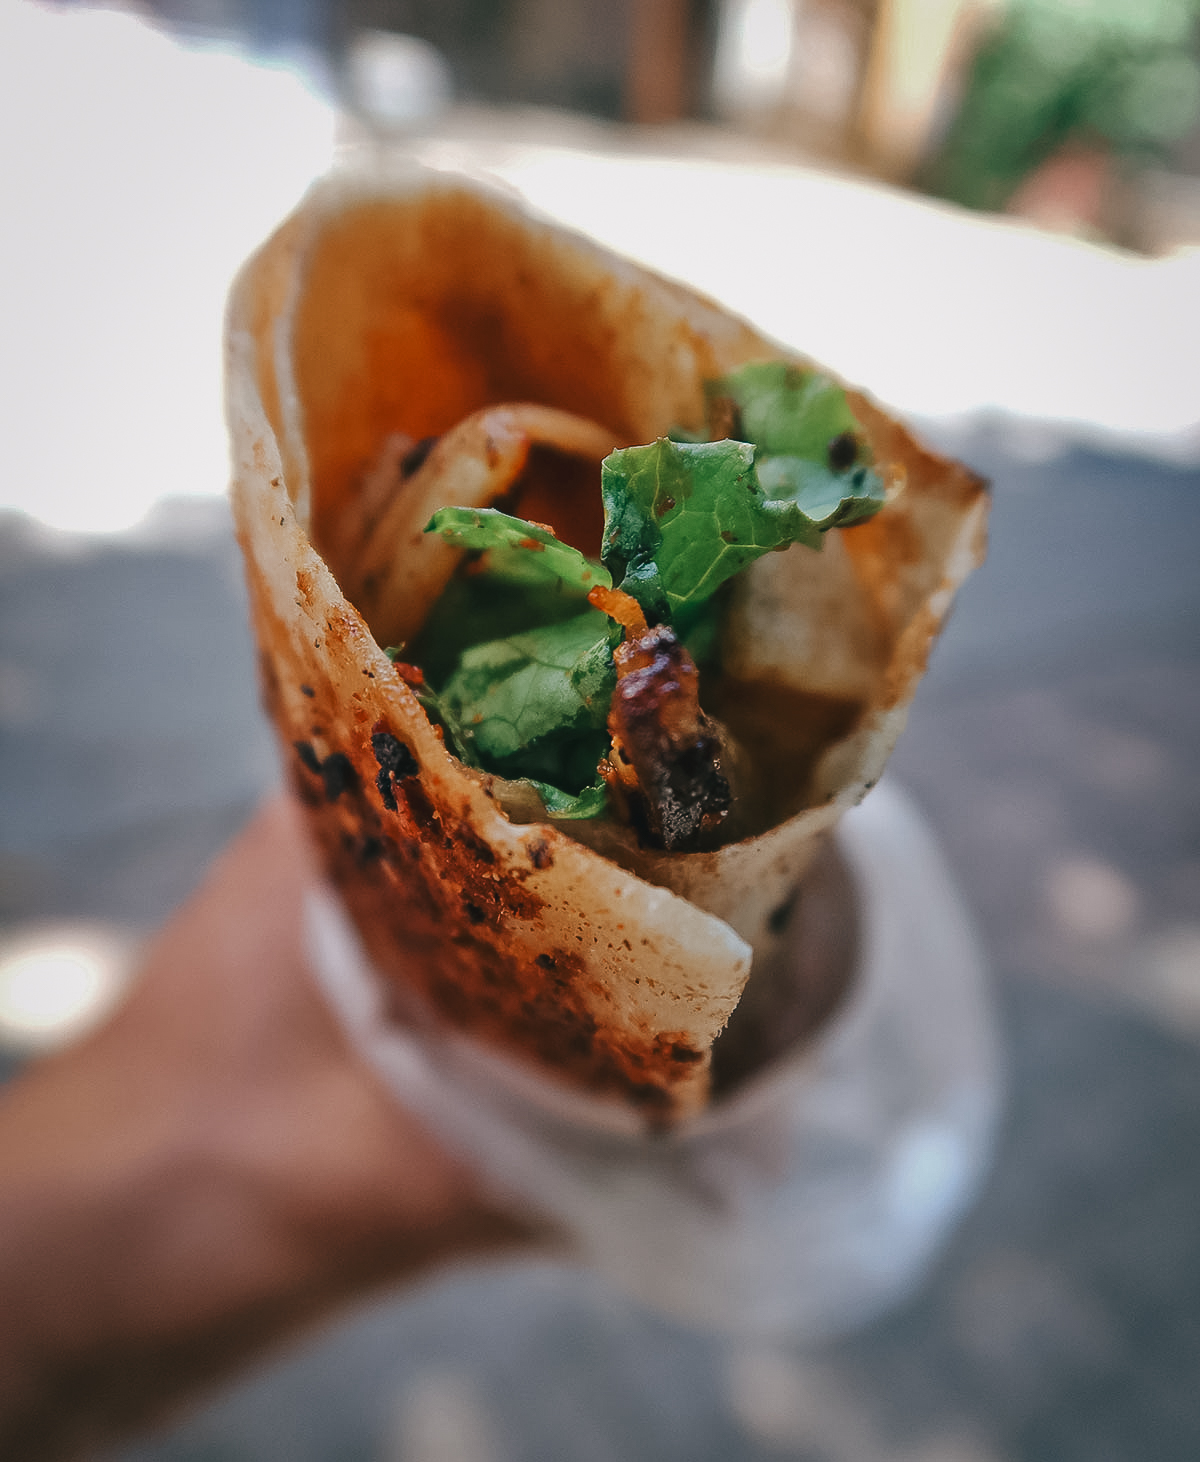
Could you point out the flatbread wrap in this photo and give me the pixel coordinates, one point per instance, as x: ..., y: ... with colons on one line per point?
x: 407, y: 346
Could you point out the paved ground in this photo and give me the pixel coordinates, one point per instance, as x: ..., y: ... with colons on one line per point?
x: 1054, y: 749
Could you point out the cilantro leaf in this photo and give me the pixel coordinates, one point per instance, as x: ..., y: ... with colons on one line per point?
x: 519, y: 551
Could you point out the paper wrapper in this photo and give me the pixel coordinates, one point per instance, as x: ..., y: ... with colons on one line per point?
x: 404, y: 304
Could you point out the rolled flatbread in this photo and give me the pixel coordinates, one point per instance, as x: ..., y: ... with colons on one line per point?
x: 405, y: 310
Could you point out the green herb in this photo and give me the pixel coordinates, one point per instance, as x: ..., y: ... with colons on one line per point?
x: 523, y: 667
x: 592, y: 801
x: 478, y: 606
x: 828, y: 499
x: 462, y: 739
x: 786, y: 410
x: 809, y: 444
x: 535, y: 704
x: 681, y: 518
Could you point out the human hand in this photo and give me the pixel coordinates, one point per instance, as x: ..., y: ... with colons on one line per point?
x: 209, y: 1171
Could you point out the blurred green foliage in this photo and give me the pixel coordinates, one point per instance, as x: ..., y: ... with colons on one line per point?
x: 1122, y: 74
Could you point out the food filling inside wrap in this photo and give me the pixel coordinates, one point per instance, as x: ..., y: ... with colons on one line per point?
x: 578, y: 662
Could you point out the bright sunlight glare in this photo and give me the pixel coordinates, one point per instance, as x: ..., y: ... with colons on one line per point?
x: 139, y: 175
x: 754, y: 50
x: 57, y: 980
x: 766, y: 37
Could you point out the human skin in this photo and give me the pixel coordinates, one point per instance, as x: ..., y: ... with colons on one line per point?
x: 208, y: 1173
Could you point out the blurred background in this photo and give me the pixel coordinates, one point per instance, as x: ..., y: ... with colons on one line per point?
x: 1081, y: 114
x: 988, y: 212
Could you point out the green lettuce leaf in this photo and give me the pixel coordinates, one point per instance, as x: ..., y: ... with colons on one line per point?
x: 681, y: 518
x: 786, y: 410
x: 829, y: 499
x: 565, y: 807
x: 461, y: 740
x: 475, y: 607
x: 523, y: 670
x: 518, y: 551
x: 535, y: 704
x: 810, y: 448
